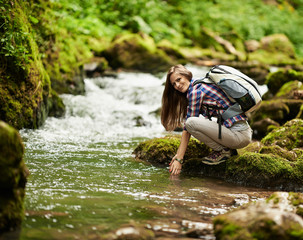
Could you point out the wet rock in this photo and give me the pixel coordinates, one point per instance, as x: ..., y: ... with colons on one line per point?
x: 289, y: 136
x: 24, y: 84
x: 131, y: 232
x: 252, y: 45
x: 13, y: 174
x: 263, y: 127
x: 275, y: 162
x: 96, y: 67
x: 55, y: 105
x: 275, y: 49
x: 137, y: 52
x: 280, y: 104
x: 160, y: 151
x: 274, y: 112
x: 278, y: 43
x: 291, y: 90
x: 277, y: 79
x: 276, y: 218
x: 141, y: 122
x: 173, y: 51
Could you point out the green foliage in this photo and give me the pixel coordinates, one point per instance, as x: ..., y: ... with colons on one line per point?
x: 181, y: 21
x: 13, y: 38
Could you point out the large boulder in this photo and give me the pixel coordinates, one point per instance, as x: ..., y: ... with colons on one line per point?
x: 160, y: 151
x: 24, y: 83
x: 276, y: 80
x: 275, y: 49
x: 281, y: 103
x: 13, y: 174
x: 279, y: 217
x: 278, y: 43
x: 137, y: 52
x: 276, y: 162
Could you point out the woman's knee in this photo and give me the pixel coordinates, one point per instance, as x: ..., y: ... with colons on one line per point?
x: 246, y: 139
x: 190, y: 124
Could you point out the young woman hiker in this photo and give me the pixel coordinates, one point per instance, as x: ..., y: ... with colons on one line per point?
x: 184, y: 100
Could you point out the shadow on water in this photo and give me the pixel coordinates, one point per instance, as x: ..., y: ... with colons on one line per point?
x: 85, y: 183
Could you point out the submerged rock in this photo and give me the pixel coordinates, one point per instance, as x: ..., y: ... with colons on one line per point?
x: 13, y: 174
x: 279, y: 217
x: 276, y: 162
x: 130, y: 231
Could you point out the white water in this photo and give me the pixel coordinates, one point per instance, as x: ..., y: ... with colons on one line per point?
x: 108, y: 111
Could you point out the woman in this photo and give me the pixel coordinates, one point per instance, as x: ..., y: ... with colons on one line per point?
x: 182, y: 100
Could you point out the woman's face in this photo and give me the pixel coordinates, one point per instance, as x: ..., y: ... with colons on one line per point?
x: 179, y: 82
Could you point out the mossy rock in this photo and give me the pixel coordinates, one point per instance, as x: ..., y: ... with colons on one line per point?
x: 63, y: 52
x: 24, y: 83
x: 276, y: 162
x: 160, y: 151
x: 289, y: 136
x: 278, y: 110
x: 275, y: 49
x: 275, y: 218
x: 277, y: 79
x: 262, y: 127
x: 13, y: 175
x: 278, y: 43
x: 173, y: 51
x: 137, y: 52
x: 288, y: 89
x: 264, y: 170
x: 55, y: 105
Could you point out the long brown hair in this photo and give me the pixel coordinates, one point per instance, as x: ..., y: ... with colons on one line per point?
x: 174, y: 103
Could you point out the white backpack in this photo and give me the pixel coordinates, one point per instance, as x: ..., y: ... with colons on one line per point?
x: 241, y: 89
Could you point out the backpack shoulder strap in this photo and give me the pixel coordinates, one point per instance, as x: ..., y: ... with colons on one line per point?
x: 203, y: 80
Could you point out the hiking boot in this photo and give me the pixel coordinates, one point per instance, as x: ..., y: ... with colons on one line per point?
x: 217, y: 157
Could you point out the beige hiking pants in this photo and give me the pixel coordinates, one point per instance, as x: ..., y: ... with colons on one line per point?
x: 206, y: 131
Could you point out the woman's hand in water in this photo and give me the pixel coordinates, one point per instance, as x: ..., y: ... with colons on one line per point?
x: 175, y: 167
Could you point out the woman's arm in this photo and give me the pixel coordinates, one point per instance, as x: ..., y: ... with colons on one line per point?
x: 175, y: 167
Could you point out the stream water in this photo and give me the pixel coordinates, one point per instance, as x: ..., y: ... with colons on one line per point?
x: 85, y: 182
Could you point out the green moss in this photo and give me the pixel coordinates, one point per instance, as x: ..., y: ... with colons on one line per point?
x: 287, y: 90
x: 55, y: 105
x: 13, y: 175
x: 277, y: 79
x: 288, y: 136
x: 11, y: 146
x: 162, y: 150
x: 139, y: 52
x: 24, y: 84
x: 296, y: 233
x: 266, y: 229
x: 273, y: 198
x: 277, y: 150
x: 227, y: 229
x: 260, y: 166
x: 274, y: 109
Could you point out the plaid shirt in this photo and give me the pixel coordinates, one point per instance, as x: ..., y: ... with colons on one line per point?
x: 202, y: 95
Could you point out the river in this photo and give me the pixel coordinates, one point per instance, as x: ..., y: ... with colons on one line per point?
x: 84, y: 181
